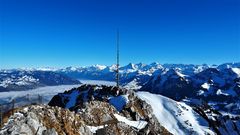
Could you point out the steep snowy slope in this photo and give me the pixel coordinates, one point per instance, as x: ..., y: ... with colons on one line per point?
x: 176, y: 117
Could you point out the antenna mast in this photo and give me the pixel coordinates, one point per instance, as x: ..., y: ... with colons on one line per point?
x: 117, y: 71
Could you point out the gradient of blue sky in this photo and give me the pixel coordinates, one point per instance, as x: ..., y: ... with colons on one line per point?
x: 57, y: 33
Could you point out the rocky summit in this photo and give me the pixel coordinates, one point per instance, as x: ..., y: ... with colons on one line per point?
x: 110, y: 110
x: 44, y: 120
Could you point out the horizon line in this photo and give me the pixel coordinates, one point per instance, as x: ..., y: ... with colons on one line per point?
x: 107, y: 65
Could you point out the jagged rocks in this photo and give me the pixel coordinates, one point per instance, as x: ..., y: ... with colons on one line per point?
x: 45, y: 120
x: 77, y: 97
x: 98, y: 113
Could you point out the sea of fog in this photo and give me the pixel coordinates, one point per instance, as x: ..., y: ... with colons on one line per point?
x: 46, y: 93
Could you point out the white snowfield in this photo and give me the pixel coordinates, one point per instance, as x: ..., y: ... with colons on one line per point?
x: 137, y: 124
x: 177, y: 117
x: 94, y: 129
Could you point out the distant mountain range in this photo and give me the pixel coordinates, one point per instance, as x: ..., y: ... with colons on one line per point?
x: 16, y: 80
x: 217, y: 85
x: 138, y: 74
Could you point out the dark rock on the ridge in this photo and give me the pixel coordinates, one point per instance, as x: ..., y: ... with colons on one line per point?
x: 56, y: 101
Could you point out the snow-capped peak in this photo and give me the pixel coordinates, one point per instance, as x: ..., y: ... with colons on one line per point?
x: 100, y: 67
x: 71, y: 68
x: 173, y: 73
x: 46, y: 69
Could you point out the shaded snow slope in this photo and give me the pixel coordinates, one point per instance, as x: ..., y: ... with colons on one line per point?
x: 119, y: 102
x: 178, y: 118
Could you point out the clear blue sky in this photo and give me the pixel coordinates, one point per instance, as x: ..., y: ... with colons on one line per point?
x: 57, y: 33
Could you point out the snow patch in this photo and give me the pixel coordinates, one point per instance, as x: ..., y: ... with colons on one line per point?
x: 226, y: 92
x: 205, y: 86
x: 133, y: 85
x: 72, y: 99
x: 119, y: 102
x: 137, y: 124
x: 93, y: 129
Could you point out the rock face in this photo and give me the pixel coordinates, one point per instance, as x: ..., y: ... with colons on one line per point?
x: 45, y: 120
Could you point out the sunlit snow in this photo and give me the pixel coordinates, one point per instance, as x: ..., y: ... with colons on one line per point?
x: 177, y: 117
x: 137, y: 124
